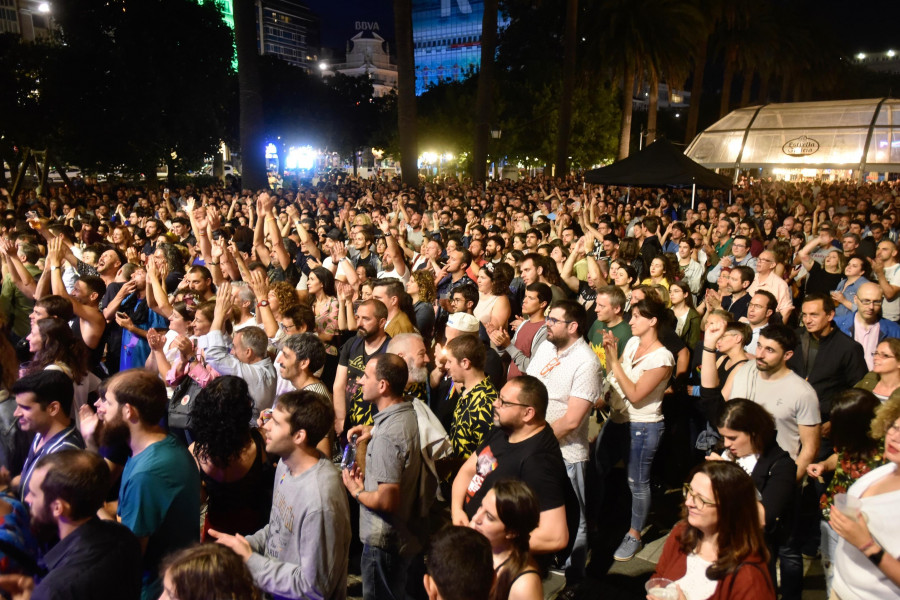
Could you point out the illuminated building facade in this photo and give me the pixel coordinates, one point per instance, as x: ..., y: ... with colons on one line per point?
x: 446, y: 39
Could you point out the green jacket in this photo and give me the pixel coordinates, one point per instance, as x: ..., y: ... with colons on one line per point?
x: 869, y: 382
x: 16, y: 306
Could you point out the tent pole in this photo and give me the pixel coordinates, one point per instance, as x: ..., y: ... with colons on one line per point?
x: 694, y: 197
x: 729, y: 195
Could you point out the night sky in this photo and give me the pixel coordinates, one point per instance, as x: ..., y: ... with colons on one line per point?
x: 339, y: 17
x: 865, y: 25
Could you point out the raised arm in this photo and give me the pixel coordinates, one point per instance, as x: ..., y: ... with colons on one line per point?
x: 259, y: 283
x: 259, y: 235
x: 271, y: 225
x: 568, y: 271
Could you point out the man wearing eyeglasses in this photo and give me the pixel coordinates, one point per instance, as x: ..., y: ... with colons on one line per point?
x: 521, y: 446
x: 570, y: 370
x: 866, y: 325
x: 740, y: 257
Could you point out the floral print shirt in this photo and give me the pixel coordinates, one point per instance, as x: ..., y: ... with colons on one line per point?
x: 846, y: 474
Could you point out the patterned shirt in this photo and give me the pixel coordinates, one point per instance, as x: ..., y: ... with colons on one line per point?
x: 473, y: 416
x: 846, y: 474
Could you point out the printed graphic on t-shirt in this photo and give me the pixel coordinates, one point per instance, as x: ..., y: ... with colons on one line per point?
x: 484, y: 466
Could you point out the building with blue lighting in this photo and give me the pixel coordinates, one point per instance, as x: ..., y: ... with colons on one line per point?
x: 446, y: 39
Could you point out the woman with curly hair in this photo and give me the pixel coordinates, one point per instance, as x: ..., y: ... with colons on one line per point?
x: 662, y: 272
x: 423, y: 294
x: 56, y: 348
x: 234, y: 468
x: 282, y: 297
x: 207, y: 571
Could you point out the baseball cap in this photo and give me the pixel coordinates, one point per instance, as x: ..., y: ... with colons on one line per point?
x: 463, y: 322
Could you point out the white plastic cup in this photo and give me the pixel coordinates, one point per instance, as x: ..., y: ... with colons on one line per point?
x: 850, y: 506
x: 662, y: 588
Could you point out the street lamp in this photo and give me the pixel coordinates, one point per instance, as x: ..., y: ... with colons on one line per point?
x: 44, y: 7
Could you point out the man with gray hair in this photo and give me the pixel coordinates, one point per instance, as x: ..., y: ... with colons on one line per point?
x: 244, y: 299
x: 248, y: 358
x: 411, y: 348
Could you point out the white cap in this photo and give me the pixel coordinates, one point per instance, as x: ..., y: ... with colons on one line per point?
x: 463, y: 322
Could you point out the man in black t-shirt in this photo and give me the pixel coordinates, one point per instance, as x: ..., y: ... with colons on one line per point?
x: 522, y: 446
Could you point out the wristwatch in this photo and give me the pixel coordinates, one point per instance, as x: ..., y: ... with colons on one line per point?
x: 54, y: 268
x: 263, y: 303
x: 877, y: 557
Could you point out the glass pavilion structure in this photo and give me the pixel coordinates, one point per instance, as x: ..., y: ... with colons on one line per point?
x: 837, y: 139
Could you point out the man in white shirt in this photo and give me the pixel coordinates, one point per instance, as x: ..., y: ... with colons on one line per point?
x: 767, y: 279
x: 887, y: 271
x: 570, y: 370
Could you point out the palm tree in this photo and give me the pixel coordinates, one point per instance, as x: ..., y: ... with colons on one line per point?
x: 563, y: 129
x: 654, y: 34
x: 252, y: 132
x: 484, y: 101
x: 406, y: 92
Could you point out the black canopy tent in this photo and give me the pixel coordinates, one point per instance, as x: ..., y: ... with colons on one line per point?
x: 661, y: 164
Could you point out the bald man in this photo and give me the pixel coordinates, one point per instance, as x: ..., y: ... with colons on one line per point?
x: 866, y: 325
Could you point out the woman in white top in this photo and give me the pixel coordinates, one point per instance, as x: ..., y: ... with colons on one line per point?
x: 638, y: 379
x: 493, y: 304
x: 865, y: 562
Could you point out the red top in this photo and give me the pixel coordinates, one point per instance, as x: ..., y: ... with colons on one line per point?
x: 751, y: 583
x: 524, y: 339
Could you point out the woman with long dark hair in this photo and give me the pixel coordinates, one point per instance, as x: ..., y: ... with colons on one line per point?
x: 748, y: 432
x: 507, y: 516
x: 493, y: 308
x: 325, y: 305
x: 717, y: 550
x: 55, y: 347
x: 638, y: 379
x: 234, y: 468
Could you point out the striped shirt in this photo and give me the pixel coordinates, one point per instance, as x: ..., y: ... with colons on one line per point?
x: 67, y: 439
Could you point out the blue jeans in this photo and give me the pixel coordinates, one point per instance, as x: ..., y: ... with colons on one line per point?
x: 577, y: 560
x: 636, y: 444
x: 383, y: 574
x: 644, y: 443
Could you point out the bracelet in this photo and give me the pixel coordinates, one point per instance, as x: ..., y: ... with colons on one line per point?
x: 356, y: 495
x: 705, y: 349
x: 214, y: 264
x: 868, y: 545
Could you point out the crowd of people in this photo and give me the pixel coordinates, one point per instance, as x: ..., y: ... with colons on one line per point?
x: 258, y: 393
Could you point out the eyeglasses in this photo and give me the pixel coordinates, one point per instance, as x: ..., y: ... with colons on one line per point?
x: 764, y: 260
x: 754, y: 305
x: 869, y: 302
x: 551, y: 321
x: 501, y: 402
x: 699, y: 500
x: 883, y: 355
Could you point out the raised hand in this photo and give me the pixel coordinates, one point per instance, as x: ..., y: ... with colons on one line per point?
x: 713, y: 333
x: 156, y: 340
x: 190, y: 204
x: 213, y: 218
x: 218, y: 248
x: 259, y: 283
x: 611, y: 346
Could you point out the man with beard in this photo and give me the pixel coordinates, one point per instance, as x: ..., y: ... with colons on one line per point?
x: 570, y: 370
x: 370, y: 340
x: 493, y: 249
x: 303, y: 551
x: 153, y: 229
x: 523, y: 447
x: 302, y: 355
x: 43, y: 405
x: 159, y: 498
x: 411, y: 348
x: 94, y: 558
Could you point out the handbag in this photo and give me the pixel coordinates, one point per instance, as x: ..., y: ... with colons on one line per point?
x: 182, y: 401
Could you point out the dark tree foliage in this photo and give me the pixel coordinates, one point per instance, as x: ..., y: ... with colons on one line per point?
x: 126, y: 85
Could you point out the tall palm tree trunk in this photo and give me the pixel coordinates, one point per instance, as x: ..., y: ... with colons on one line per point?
x: 726, y: 84
x: 696, y: 91
x: 627, y: 108
x: 653, y: 108
x: 252, y: 133
x: 745, y: 87
x: 564, y: 127
x: 484, y: 99
x: 406, y: 92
